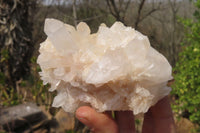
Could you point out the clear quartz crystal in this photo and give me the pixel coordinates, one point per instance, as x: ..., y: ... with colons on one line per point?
x: 113, y: 69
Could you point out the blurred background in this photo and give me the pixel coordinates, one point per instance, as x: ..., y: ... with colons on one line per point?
x: 173, y: 27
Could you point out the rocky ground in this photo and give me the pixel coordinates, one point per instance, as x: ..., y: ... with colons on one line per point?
x: 63, y: 122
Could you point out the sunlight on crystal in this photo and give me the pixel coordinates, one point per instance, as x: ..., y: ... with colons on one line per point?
x: 113, y: 69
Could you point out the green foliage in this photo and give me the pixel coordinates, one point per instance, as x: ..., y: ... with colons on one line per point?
x: 4, y: 55
x: 35, y: 88
x: 29, y: 89
x: 9, y: 98
x: 138, y: 124
x: 70, y: 131
x: 187, y: 71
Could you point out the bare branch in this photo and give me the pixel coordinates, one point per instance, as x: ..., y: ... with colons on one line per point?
x: 139, y: 13
x: 110, y: 9
x: 148, y: 14
x: 91, y: 18
x: 2, y: 22
x: 74, y: 13
x: 126, y: 8
x: 14, y: 6
x: 114, y: 6
x: 118, y: 12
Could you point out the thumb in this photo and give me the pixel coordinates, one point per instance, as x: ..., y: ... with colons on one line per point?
x: 97, y: 122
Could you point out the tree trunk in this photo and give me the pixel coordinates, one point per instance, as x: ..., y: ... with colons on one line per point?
x: 15, y: 37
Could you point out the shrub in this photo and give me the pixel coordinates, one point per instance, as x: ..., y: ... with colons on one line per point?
x: 187, y: 71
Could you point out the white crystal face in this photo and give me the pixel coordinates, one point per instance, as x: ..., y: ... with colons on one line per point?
x: 113, y: 69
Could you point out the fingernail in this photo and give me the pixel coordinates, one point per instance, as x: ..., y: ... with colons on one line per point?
x: 82, y: 116
x: 83, y: 120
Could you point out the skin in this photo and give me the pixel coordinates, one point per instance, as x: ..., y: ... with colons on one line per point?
x: 159, y: 119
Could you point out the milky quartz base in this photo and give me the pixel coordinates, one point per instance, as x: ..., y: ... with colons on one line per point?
x: 113, y: 69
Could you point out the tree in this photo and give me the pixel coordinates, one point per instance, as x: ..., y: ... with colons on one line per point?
x: 140, y: 17
x: 118, y: 9
x: 15, y: 39
x: 186, y: 88
x: 174, y: 35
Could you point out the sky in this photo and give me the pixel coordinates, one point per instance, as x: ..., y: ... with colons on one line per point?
x: 56, y: 2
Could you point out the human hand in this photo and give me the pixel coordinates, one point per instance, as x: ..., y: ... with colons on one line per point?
x: 159, y: 119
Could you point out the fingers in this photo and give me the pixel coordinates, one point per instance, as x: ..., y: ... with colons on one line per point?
x: 125, y: 121
x: 98, y: 122
x: 159, y: 118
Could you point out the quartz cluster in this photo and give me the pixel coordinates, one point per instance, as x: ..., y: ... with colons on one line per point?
x: 113, y: 69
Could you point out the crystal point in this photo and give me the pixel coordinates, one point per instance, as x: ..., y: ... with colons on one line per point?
x: 113, y: 69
